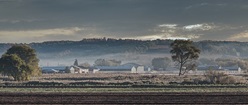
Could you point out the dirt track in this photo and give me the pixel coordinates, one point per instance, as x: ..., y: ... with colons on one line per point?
x: 123, y: 98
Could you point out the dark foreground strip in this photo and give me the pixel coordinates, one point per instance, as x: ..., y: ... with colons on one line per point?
x: 124, y: 98
x: 132, y: 86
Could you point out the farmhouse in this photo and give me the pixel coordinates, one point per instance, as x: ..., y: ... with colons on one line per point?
x: 139, y: 68
x: 76, y: 69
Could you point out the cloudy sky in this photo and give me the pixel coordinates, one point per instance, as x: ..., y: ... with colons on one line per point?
x: 25, y: 21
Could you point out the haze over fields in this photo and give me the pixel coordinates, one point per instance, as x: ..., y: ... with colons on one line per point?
x: 137, y: 51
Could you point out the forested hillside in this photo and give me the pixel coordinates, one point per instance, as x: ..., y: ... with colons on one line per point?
x: 125, y: 49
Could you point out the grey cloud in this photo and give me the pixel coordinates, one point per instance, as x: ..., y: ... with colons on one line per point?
x: 125, y: 18
x: 201, y: 31
x: 200, y: 5
x: 18, y: 21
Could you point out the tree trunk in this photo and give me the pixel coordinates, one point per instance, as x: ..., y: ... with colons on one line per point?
x: 180, y: 69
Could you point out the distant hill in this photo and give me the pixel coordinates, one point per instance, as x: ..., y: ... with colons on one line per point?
x: 88, y: 50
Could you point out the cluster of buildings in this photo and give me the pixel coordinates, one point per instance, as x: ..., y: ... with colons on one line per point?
x: 125, y: 68
x: 136, y: 68
x: 227, y: 69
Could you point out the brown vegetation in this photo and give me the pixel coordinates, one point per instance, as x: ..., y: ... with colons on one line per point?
x: 131, y: 79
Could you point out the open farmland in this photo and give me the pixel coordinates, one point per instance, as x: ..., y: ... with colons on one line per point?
x: 77, y: 80
x: 123, y: 98
x: 119, y: 89
x: 175, y: 89
x: 118, y: 81
x: 101, y: 79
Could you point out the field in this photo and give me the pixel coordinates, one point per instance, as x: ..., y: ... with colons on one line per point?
x: 123, y: 98
x: 120, y: 89
x: 126, y: 90
x: 111, y: 80
x: 93, y: 80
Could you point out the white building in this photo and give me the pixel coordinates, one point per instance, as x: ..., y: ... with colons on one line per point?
x: 140, y: 69
x: 75, y: 69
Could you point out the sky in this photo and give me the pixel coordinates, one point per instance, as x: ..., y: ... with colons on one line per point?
x: 26, y: 21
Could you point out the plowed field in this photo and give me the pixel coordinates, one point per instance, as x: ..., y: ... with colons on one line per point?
x: 124, y: 98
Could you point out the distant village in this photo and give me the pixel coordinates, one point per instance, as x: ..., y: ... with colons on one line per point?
x: 137, y: 68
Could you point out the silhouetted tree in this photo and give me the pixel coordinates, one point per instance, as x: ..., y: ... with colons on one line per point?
x: 184, y: 53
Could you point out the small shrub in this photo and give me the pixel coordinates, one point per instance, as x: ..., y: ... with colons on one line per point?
x: 216, y: 77
x: 190, y: 79
x: 200, y: 81
x: 228, y: 80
